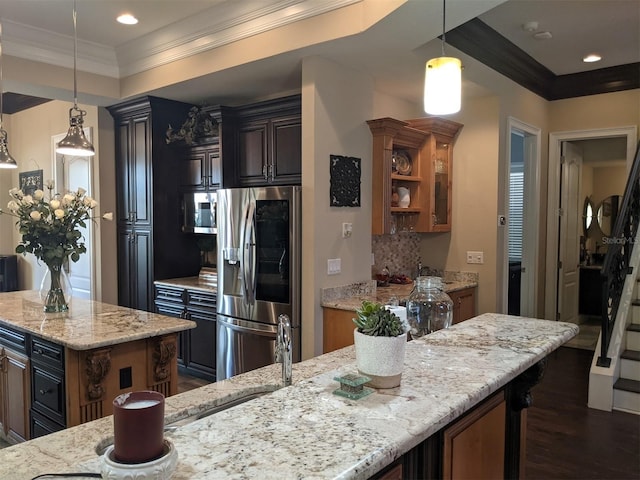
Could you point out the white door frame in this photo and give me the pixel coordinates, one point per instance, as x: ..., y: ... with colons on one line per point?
x: 553, y: 195
x: 58, y: 179
x: 530, y: 243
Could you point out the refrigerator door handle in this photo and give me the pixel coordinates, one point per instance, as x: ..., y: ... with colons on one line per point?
x: 248, y: 254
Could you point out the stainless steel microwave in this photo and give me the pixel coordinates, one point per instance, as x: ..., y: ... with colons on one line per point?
x: 199, y: 212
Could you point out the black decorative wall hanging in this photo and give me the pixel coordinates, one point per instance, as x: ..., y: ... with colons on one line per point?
x: 30, y: 181
x: 345, y: 181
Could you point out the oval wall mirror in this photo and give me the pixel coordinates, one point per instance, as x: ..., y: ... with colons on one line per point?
x: 587, y: 215
x: 607, y: 213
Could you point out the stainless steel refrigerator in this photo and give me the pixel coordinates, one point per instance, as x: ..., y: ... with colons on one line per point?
x: 259, y: 242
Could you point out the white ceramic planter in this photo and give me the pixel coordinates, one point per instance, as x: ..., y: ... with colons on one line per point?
x: 380, y: 358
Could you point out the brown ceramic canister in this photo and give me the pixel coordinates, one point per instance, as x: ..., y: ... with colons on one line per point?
x: 138, y: 426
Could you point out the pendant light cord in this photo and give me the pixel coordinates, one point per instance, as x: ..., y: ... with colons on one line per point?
x: 75, y: 56
x: 444, y: 16
x: 1, y: 90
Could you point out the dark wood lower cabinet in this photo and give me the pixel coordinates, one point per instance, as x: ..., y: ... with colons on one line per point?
x: 197, y: 346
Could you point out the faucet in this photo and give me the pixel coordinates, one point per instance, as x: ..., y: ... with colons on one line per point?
x: 284, y: 349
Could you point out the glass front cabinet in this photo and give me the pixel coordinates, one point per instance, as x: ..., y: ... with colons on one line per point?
x: 412, y: 174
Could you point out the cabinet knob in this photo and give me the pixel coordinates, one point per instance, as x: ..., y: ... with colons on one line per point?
x: 42, y: 391
x: 270, y: 170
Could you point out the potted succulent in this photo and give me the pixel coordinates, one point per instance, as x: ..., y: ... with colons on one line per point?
x: 380, y: 340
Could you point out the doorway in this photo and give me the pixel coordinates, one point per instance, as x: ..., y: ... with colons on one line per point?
x: 70, y: 173
x: 521, y: 235
x: 561, y: 246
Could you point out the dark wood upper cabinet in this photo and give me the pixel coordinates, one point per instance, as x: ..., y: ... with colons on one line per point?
x: 270, y: 143
x: 150, y: 242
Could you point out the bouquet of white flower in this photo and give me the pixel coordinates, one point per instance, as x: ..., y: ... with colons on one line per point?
x: 49, y: 226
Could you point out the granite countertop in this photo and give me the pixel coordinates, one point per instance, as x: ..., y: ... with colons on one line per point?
x: 196, y: 283
x: 88, y: 324
x: 351, y: 297
x: 304, y: 430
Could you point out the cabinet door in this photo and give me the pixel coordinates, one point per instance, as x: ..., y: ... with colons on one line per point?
x: 177, y: 311
x: 193, y: 175
x: 133, y: 159
x: 441, y: 193
x: 337, y: 331
x: 135, y: 282
x: 286, y: 151
x: 123, y: 172
x: 474, y: 446
x: 252, y: 152
x: 16, y: 393
x: 201, y: 345
x: 464, y: 304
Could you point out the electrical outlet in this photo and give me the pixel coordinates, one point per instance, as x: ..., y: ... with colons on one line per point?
x: 347, y: 230
x: 333, y: 266
x: 475, y: 257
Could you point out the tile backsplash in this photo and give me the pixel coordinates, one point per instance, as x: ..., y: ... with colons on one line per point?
x: 399, y: 253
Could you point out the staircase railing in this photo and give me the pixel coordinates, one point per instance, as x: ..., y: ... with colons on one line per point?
x: 616, y: 261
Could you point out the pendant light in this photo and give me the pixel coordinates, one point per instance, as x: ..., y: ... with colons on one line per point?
x: 442, y: 81
x: 6, y: 160
x: 75, y: 143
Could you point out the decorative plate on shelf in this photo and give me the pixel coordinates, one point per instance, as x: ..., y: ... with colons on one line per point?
x: 403, y: 163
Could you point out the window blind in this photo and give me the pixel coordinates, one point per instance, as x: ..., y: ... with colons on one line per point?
x: 516, y: 203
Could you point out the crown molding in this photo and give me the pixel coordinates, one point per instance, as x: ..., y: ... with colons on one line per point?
x: 478, y: 40
x: 233, y: 21
x: 198, y: 34
x: 45, y: 46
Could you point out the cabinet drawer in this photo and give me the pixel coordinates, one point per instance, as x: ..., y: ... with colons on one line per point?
x: 16, y: 340
x: 167, y: 294
x: 47, y: 394
x: 47, y: 353
x: 170, y: 309
x: 41, y: 425
x: 203, y: 315
x: 204, y: 300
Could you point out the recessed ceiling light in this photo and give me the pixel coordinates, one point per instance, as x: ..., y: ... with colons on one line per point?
x: 592, y: 57
x: 127, y: 19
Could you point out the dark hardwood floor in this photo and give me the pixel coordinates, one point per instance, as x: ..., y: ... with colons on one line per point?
x: 566, y: 439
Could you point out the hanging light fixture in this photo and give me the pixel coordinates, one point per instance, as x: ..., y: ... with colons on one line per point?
x: 75, y: 143
x: 442, y: 81
x: 6, y: 160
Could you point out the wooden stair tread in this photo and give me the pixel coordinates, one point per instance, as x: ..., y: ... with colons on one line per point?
x: 631, y: 355
x: 633, y: 327
x: 627, y: 385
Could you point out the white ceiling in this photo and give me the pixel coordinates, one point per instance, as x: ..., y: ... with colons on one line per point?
x: 393, y: 51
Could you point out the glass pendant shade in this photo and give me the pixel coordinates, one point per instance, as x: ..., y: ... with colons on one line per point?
x: 6, y: 160
x: 75, y: 143
x: 442, y: 86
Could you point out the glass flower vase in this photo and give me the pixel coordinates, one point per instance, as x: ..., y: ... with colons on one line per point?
x: 55, y: 289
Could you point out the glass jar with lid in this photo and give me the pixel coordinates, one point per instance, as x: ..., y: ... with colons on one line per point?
x: 429, y: 308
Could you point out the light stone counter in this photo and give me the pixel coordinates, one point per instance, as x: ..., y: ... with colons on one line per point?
x: 351, y: 297
x: 87, y: 324
x: 305, y: 431
x: 195, y: 283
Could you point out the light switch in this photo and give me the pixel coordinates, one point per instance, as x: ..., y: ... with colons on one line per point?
x: 333, y: 266
x: 475, y: 257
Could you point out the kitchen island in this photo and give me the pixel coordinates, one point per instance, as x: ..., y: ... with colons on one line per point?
x: 64, y: 369
x: 305, y: 431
